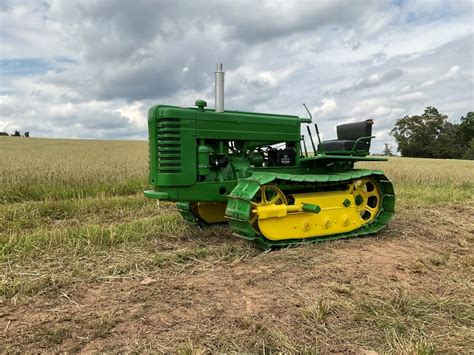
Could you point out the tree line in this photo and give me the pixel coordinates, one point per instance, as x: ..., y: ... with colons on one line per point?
x: 431, y: 135
x: 15, y: 134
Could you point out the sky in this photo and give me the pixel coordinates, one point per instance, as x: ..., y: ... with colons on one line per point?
x: 92, y: 69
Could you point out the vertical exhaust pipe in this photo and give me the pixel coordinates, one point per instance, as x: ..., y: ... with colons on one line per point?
x: 219, y: 88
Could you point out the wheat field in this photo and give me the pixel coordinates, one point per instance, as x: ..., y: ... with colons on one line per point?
x: 89, y: 264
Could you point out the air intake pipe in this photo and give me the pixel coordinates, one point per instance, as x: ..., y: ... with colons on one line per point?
x: 219, y: 88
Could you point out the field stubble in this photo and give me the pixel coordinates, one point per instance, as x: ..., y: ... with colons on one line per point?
x: 89, y: 264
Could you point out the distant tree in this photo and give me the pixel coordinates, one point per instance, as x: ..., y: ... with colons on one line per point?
x: 4, y: 134
x: 429, y: 135
x: 387, y: 150
x: 27, y: 134
x: 469, y: 154
x: 465, y: 133
x: 16, y: 134
x: 457, y: 142
x: 446, y: 146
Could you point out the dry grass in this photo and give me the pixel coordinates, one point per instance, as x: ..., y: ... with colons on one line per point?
x: 89, y: 264
x: 35, y: 169
x: 428, y: 181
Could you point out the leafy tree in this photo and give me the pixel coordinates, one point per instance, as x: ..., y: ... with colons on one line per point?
x: 430, y: 135
x: 465, y: 133
x: 16, y: 134
x: 415, y: 133
x: 446, y: 145
x: 469, y: 154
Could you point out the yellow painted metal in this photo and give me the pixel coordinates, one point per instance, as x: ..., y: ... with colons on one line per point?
x: 268, y: 195
x: 210, y: 212
x: 370, y: 195
x: 276, y: 219
x: 290, y: 222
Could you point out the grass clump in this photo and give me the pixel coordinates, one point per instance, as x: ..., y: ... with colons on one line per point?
x: 51, y: 335
x: 103, y: 325
x: 318, y: 311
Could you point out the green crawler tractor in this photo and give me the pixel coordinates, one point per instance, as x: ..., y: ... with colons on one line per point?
x: 253, y: 171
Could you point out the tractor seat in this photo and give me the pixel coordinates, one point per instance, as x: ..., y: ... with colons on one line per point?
x: 347, y: 135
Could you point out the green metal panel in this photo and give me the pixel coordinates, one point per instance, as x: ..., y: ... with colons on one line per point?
x: 152, y: 151
x: 217, y: 191
x: 198, y: 156
x: 200, y: 191
x: 173, y: 133
x: 172, y: 146
x: 233, y: 125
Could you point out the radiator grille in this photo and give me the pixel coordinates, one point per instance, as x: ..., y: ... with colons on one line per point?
x: 169, y: 145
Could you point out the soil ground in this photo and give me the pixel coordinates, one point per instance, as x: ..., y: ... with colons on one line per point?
x: 406, y: 290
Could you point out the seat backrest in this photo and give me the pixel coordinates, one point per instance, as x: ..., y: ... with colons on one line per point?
x: 353, y: 131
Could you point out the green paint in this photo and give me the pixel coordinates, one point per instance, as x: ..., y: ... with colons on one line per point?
x: 309, y: 207
x: 199, y: 155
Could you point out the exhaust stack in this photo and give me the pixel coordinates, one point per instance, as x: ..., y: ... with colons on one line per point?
x: 219, y: 88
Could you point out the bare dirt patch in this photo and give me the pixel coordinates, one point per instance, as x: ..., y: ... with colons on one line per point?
x: 407, y: 290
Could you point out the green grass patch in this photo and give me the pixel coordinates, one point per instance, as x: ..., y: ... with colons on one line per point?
x: 82, y: 239
x: 18, y: 217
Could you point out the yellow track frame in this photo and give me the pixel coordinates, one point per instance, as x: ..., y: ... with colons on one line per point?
x: 280, y: 217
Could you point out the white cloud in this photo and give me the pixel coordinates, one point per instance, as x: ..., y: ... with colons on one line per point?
x: 328, y: 106
x: 358, y: 60
x: 134, y: 113
x: 410, y: 97
x: 452, y: 73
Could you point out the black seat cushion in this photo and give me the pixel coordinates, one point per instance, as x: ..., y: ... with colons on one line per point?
x: 352, y: 131
x: 347, y: 134
x: 341, y: 144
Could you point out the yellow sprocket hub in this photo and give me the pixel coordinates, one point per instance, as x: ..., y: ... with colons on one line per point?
x: 266, y: 196
x: 367, y: 198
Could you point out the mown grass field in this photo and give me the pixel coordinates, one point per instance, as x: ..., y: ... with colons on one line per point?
x: 89, y: 264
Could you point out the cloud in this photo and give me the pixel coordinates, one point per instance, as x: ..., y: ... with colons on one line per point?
x: 328, y: 106
x: 92, y: 69
x: 376, y: 79
x: 452, y: 73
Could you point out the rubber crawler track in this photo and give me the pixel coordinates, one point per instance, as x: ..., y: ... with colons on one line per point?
x: 239, y: 206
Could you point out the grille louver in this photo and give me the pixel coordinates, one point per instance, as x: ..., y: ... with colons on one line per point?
x: 169, y: 145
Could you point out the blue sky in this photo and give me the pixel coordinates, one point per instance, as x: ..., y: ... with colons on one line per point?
x: 91, y: 69
x: 31, y: 66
